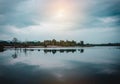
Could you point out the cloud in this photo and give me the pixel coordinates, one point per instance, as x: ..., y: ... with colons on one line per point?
x: 37, y: 32
x: 109, y: 19
x: 105, y: 8
x: 33, y: 19
x: 102, y: 13
x: 99, y: 14
x: 15, y: 12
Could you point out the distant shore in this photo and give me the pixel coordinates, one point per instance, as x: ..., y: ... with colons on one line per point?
x: 45, y: 47
x: 56, y: 46
x: 15, y: 43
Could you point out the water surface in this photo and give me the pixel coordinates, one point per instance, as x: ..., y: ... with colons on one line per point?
x: 80, y: 65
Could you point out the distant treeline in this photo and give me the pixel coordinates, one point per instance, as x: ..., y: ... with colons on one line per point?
x: 16, y: 43
x: 107, y: 44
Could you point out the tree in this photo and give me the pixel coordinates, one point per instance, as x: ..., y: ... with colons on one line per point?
x: 15, y: 41
x: 53, y: 42
x: 1, y: 48
x: 82, y: 43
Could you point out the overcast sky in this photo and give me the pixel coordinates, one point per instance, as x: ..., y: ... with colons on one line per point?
x: 93, y: 21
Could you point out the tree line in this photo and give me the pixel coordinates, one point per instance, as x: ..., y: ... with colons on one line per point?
x: 16, y: 43
x: 46, y: 43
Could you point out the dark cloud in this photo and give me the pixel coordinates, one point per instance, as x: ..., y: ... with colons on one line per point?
x: 105, y: 8
x: 8, y: 6
x: 9, y: 14
x: 102, y: 9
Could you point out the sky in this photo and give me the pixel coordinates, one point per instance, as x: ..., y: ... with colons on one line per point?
x: 93, y: 21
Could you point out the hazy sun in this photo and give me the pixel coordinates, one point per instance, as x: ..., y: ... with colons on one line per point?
x: 60, y: 14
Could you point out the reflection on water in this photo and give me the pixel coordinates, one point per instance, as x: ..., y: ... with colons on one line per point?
x: 53, y: 51
x: 81, y: 50
x: 59, y: 50
x: 92, y: 65
x: 14, y: 55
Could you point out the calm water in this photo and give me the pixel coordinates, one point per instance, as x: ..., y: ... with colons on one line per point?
x: 90, y: 65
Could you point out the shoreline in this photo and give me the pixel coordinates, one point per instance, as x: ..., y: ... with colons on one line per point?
x: 59, y: 46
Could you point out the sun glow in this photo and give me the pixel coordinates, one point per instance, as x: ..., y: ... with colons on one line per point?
x: 60, y: 14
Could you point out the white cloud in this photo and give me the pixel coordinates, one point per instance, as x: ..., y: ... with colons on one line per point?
x: 108, y: 20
